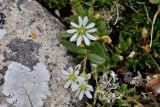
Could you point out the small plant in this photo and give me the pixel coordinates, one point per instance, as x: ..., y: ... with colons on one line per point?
x: 118, y: 45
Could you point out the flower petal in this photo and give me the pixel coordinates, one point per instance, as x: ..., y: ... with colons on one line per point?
x: 80, y: 79
x: 77, y: 67
x: 81, y: 95
x: 91, y: 25
x: 76, y: 72
x: 72, y: 31
x: 88, y: 94
x: 77, y: 93
x: 67, y: 84
x: 65, y: 77
x: 73, y: 38
x: 74, y: 87
x: 74, y: 25
x: 70, y: 69
x: 85, y: 20
x: 89, y: 87
x: 79, y: 40
x: 65, y: 72
x: 90, y: 36
x: 86, y: 40
x: 80, y: 21
x: 92, y: 31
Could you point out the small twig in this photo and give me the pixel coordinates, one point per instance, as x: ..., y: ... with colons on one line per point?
x: 131, y: 99
x: 28, y: 96
x: 109, y: 48
x: 154, y: 61
x: 131, y: 7
x: 117, y: 13
x: 153, y: 22
x: 146, y: 12
x: 143, y: 3
x: 84, y: 64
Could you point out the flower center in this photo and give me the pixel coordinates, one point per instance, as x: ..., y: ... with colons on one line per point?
x: 83, y: 87
x: 82, y: 31
x: 72, y: 77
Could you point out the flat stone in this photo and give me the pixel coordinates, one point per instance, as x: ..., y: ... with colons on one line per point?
x: 32, y: 37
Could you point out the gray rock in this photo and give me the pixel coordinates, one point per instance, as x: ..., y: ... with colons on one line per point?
x: 32, y: 37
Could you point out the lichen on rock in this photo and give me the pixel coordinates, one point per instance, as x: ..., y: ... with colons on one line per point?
x: 26, y: 88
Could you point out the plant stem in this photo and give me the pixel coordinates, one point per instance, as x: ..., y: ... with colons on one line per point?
x: 153, y: 22
x: 154, y: 62
x: 84, y: 63
x: 131, y: 99
x: 117, y: 13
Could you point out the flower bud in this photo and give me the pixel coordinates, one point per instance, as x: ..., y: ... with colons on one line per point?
x: 120, y: 57
x: 144, y: 33
x: 106, y: 39
x: 97, y: 16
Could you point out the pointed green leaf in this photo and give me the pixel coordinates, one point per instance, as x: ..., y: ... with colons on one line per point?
x: 91, y: 11
x: 99, y: 49
x: 96, y: 59
x: 73, y: 48
x: 64, y: 34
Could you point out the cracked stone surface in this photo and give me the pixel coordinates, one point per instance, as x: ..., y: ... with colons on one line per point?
x: 32, y: 37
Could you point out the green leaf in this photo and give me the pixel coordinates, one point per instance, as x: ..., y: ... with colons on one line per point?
x: 154, y: 1
x: 129, y: 42
x: 96, y: 59
x: 99, y: 49
x: 81, y: 11
x: 73, y: 48
x: 64, y: 34
x: 115, y: 58
x: 91, y: 11
x: 123, y: 44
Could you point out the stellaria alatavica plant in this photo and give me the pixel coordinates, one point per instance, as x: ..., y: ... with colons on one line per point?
x: 109, y: 53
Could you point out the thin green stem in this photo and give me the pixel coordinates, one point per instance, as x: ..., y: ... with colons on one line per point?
x: 154, y: 61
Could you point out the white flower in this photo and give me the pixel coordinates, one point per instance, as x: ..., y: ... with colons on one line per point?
x: 71, y: 77
x: 131, y: 55
x: 82, y: 31
x: 83, y: 89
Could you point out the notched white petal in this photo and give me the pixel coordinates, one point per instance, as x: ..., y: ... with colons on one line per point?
x: 88, y: 94
x: 85, y: 21
x: 80, y: 79
x: 72, y: 31
x: 74, y: 25
x: 76, y: 72
x: 65, y: 72
x: 74, y: 87
x: 91, y: 25
x: 73, y: 38
x: 91, y: 30
x: 80, y: 21
x: 67, y: 84
x: 90, y: 88
x: 86, y: 40
x: 70, y: 69
x: 81, y: 95
x: 79, y: 40
x: 90, y: 36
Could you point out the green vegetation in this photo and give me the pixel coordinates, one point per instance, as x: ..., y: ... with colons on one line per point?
x: 127, y: 43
